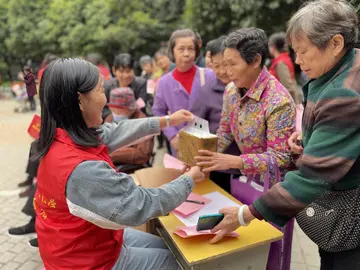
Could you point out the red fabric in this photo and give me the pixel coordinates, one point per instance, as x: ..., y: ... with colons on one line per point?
x: 185, y: 78
x: 34, y: 128
x: 122, y: 97
x: 104, y: 71
x: 40, y: 73
x: 66, y: 241
x: 285, y: 58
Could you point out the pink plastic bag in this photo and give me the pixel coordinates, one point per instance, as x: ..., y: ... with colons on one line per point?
x: 247, y: 191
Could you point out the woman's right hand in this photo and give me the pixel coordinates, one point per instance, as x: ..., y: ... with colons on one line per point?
x: 196, y: 174
x: 293, y: 143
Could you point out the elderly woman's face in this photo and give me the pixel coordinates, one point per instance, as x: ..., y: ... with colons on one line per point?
x: 238, y: 71
x: 219, y: 67
x: 184, y: 53
x: 314, y: 62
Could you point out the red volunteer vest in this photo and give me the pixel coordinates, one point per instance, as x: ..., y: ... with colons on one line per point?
x: 66, y: 241
x: 285, y: 58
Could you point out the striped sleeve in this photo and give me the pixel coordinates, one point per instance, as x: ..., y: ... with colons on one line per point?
x: 330, y: 153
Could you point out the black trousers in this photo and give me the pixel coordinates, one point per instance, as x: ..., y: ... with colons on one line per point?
x: 161, y: 138
x: 33, y: 164
x: 31, y: 170
x: 32, y: 103
x: 344, y: 260
x: 221, y: 179
x: 28, y: 208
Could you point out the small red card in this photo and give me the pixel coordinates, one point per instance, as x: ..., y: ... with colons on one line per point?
x: 34, y: 128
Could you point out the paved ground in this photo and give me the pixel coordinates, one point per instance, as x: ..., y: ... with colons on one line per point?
x: 14, y: 147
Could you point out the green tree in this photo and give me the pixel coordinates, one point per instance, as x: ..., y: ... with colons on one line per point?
x: 108, y: 27
x: 5, y: 57
x: 24, y: 40
x: 216, y: 17
x: 356, y: 4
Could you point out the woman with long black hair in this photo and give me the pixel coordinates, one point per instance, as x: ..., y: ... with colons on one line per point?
x: 82, y: 203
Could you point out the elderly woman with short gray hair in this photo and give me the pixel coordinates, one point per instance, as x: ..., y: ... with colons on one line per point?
x: 323, y: 193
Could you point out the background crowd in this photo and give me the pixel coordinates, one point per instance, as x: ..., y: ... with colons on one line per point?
x: 248, y: 87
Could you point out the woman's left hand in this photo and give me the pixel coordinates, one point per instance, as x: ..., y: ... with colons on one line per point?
x: 230, y: 222
x: 213, y: 161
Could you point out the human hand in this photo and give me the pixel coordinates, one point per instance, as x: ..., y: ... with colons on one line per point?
x: 21, y: 75
x: 181, y: 116
x: 293, y: 143
x: 230, y: 222
x: 213, y: 161
x: 196, y: 174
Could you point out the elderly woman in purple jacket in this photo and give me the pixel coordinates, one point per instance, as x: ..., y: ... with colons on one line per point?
x: 188, y: 86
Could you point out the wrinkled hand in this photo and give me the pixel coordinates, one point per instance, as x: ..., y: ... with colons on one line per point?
x: 174, y: 142
x: 181, y: 116
x: 293, y: 143
x: 213, y: 161
x: 196, y: 174
x: 229, y: 224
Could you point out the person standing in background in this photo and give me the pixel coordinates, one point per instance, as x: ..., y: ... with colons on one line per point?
x: 31, y: 90
x: 47, y: 60
x: 181, y: 88
x: 200, y: 61
x: 95, y: 59
x: 146, y: 64
x: 282, y: 66
x: 162, y: 60
x: 208, y: 62
x: 123, y: 69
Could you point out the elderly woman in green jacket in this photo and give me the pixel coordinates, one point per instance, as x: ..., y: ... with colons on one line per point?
x: 323, y: 193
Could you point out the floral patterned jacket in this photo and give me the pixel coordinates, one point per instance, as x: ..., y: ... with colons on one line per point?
x: 260, y: 122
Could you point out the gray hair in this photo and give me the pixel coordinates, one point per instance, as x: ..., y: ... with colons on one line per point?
x: 320, y: 20
x: 249, y: 42
x: 146, y: 59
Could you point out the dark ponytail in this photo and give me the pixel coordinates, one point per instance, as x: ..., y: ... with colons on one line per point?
x: 62, y: 80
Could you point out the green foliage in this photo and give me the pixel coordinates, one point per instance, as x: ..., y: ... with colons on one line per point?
x: 215, y: 17
x: 356, y: 4
x: 30, y: 29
